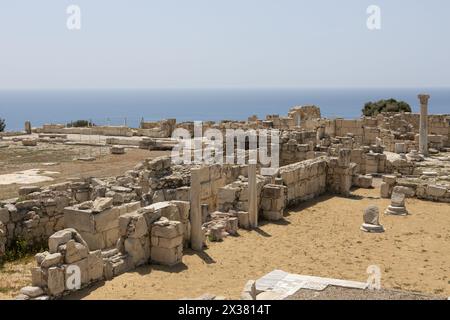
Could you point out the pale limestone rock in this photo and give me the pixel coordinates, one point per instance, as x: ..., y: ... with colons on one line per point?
x: 32, y: 292
x: 371, y: 220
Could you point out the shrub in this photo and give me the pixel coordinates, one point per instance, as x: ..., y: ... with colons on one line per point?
x: 80, y: 124
x: 390, y: 105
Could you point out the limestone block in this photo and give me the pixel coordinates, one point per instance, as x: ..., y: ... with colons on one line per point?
x: 166, y: 256
x: 167, y: 209
x: 80, y: 220
x: 37, y: 277
x: 75, y: 251
x: 167, y: 243
x: 102, y: 204
x: 205, y: 190
x: 107, y: 220
x: 32, y: 292
x: 272, y: 191
x: 95, y: 241
x: 84, y: 271
x: 227, y: 194
x: 56, y: 281
x: 183, y: 208
x: 436, y: 191
x: 95, y: 266
x: 138, y: 250
x: 167, y: 229
x: 51, y: 260
x: 117, y: 150
x: 408, y: 192
x: 385, y: 190
x: 110, y: 237
x: 397, y: 199
x: 4, y: 215
x: 25, y: 190
x: 391, y: 180
x: 266, y: 204
x: 57, y: 239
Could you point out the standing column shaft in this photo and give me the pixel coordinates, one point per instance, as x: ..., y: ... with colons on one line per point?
x: 196, y: 211
x: 252, y: 196
x: 423, y: 131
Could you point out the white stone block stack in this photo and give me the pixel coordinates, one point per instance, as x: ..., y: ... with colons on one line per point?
x: 273, y: 201
x: 387, y: 186
x: 134, y: 237
x: 55, y: 275
x: 167, y: 242
x: 97, y: 221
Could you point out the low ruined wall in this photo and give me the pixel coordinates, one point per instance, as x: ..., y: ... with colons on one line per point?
x: 34, y: 216
x: 95, y: 130
x: 426, y: 189
x: 304, y: 180
x: 99, y: 227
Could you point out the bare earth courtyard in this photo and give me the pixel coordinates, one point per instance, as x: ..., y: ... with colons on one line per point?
x: 321, y: 238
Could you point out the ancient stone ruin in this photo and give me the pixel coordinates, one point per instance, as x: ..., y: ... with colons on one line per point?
x: 104, y: 227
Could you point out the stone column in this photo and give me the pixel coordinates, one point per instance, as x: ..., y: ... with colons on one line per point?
x: 27, y: 127
x: 423, y: 133
x: 196, y: 211
x: 252, y: 196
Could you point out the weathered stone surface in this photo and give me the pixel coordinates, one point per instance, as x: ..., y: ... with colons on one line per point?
x: 51, y: 260
x: 398, y: 199
x: 25, y: 190
x: 58, y: 238
x: 408, y: 192
x: 371, y: 215
x: 371, y: 220
x: 166, y: 256
x: 106, y: 220
x: 138, y: 249
x: 249, y: 291
x: 95, y: 265
x: 80, y: 220
x: 32, y: 292
x: 164, y: 229
x: 56, y: 281
x: 436, y: 191
x: 167, y: 243
x: 117, y: 150
x: 75, y: 251
x: 102, y: 204
x: 37, y: 277
x: 4, y: 215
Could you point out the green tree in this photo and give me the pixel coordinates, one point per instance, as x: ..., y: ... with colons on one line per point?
x: 80, y: 123
x: 390, y: 105
x: 2, y: 125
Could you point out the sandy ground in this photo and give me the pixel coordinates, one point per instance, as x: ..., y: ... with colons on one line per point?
x: 320, y: 238
x: 60, y: 158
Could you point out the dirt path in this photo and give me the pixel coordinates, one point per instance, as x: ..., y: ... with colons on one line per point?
x: 320, y: 238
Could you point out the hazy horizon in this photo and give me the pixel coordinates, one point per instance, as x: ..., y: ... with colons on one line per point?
x: 200, y: 44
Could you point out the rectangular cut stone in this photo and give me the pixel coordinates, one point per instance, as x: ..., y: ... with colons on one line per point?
x: 80, y: 220
x: 166, y: 256
x: 167, y: 243
x: 106, y: 220
x: 56, y: 281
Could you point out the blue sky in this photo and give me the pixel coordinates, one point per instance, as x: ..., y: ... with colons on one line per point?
x: 223, y: 43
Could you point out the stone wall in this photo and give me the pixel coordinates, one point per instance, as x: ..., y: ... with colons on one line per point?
x: 98, y: 221
x: 304, y: 180
x: 95, y: 130
x: 34, y: 216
